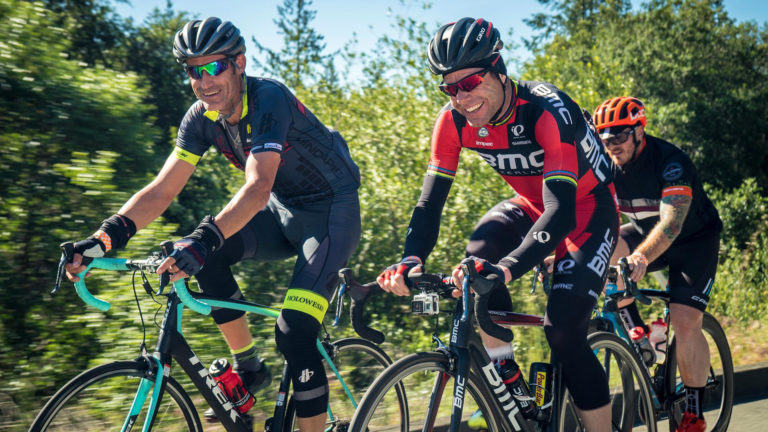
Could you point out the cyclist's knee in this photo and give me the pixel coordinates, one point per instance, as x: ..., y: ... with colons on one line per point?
x: 296, y: 338
x: 685, y: 320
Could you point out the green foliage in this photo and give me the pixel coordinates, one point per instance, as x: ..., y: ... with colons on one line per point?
x: 701, y: 75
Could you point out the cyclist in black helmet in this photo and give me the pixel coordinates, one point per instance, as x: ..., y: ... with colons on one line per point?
x: 538, y: 140
x: 299, y: 199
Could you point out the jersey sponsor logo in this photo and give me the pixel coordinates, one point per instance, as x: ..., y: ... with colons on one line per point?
x: 599, y: 262
x: 514, y: 161
x: 672, y: 171
x: 483, y: 132
x: 273, y: 146
x: 541, y: 236
x: 517, y: 130
x: 552, y: 97
x: 306, y: 375
x: 483, y: 144
x: 502, y: 393
x: 563, y: 286
x: 595, y: 156
x: 565, y: 266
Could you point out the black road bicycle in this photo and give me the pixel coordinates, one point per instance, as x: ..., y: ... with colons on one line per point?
x: 122, y: 395
x: 476, y: 383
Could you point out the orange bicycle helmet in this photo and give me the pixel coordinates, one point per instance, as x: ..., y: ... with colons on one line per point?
x: 619, y: 111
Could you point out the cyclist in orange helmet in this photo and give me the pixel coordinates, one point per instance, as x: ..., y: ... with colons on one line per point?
x: 672, y: 224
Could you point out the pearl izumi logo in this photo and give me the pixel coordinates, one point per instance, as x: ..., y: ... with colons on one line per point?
x: 306, y: 375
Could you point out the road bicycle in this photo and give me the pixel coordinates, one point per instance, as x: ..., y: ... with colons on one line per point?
x: 477, y: 385
x: 122, y: 395
x: 664, y: 377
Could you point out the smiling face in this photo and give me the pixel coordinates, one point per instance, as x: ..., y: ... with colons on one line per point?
x: 221, y: 92
x: 481, y: 103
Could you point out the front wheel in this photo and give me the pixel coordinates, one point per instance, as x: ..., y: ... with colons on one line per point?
x: 631, y: 400
x: 717, y: 399
x: 428, y: 381
x: 99, y: 400
x: 358, y: 362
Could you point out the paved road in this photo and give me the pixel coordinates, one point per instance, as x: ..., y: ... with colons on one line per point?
x: 747, y: 417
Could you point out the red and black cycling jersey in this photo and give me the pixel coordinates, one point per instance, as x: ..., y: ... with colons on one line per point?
x: 547, y: 152
x: 315, y: 164
x: 662, y: 169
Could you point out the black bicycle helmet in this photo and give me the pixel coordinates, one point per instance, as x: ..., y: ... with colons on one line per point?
x: 464, y: 44
x: 207, y: 37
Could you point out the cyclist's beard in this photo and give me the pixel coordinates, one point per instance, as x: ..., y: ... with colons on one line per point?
x: 225, y: 114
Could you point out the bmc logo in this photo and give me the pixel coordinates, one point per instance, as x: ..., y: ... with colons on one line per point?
x: 554, y: 99
x: 514, y: 161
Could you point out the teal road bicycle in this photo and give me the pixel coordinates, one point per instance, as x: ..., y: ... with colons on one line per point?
x: 141, y: 394
x: 664, y: 376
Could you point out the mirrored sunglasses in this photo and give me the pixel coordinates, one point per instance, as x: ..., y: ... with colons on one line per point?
x: 619, y: 138
x: 467, y: 84
x: 213, y: 68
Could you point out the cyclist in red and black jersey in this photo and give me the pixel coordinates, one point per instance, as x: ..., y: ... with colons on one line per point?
x: 299, y: 199
x: 672, y: 224
x: 538, y: 139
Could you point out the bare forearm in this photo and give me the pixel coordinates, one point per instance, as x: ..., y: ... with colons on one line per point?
x: 145, y: 206
x: 672, y: 213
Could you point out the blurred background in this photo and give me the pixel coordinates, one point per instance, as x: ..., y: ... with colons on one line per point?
x: 90, y: 99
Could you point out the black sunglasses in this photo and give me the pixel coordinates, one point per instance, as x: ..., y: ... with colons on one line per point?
x: 619, y: 138
x: 213, y: 68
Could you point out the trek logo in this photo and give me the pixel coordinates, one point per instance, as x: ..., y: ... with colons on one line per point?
x: 600, y: 261
x: 215, y: 389
x: 458, y: 395
x: 505, y: 399
x: 514, y: 161
x: 306, y: 375
x: 552, y: 97
x: 595, y: 156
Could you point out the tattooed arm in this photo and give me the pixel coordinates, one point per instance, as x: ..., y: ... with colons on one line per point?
x: 672, y: 212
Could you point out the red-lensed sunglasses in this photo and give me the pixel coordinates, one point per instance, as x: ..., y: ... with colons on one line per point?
x: 213, y: 68
x: 467, y: 84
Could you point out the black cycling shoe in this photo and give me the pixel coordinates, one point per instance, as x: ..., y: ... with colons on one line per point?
x: 253, y: 381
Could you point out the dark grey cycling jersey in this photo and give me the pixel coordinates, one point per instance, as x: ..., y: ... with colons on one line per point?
x: 315, y: 164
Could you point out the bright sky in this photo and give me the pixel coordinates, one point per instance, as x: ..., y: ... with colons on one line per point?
x: 337, y: 20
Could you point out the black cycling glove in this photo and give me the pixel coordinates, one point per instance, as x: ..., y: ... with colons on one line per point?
x: 191, y: 251
x: 485, y: 268
x: 403, y: 267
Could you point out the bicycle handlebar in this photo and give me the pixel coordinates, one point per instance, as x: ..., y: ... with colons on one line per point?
x: 359, y: 295
x: 122, y: 264
x: 630, y: 285
x: 483, y: 286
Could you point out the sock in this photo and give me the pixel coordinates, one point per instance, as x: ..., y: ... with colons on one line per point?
x: 246, y: 359
x: 506, y: 351
x: 693, y: 400
x: 632, y: 317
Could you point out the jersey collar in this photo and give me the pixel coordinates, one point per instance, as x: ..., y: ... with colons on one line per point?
x: 214, y: 115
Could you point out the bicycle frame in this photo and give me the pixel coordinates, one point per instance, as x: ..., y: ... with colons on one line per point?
x: 172, y: 345
x: 467, y: 350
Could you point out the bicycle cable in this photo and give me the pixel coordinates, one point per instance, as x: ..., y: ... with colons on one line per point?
x: 145, y: 283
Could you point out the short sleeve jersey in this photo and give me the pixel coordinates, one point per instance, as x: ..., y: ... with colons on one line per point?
x: 662, y: 169
x: 315, y: 160
x: 546, y: 138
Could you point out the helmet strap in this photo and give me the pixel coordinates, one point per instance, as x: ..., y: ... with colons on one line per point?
x: 225, y: 117
x: 638, y: 143
x: 499, y: 119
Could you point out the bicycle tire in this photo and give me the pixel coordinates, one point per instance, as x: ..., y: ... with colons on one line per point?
x: 631, y: 398
x: 359, y: 362
x: 99, y: 399
x: 420, y: 374
x: 718, y: 393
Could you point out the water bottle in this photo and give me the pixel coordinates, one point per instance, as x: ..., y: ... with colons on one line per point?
x: 513, y: 378
x: 231, y: 384
x: 540, y: 378
x: 658, y: 339
x: 638, y: 336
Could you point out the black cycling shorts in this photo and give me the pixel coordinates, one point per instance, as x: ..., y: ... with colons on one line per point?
x: 692, y: 265
x: 323, y: 235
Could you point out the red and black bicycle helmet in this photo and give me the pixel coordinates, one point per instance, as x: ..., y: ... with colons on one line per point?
x: 466, y: 43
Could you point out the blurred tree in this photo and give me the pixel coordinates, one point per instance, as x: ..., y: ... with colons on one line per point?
x: 297, y: 63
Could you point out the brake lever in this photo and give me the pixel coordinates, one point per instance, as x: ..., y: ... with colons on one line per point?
x: 67, y: 252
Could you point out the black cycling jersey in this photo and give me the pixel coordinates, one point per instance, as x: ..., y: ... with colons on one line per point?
x: 663, y: 169
x: 315, y: 164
